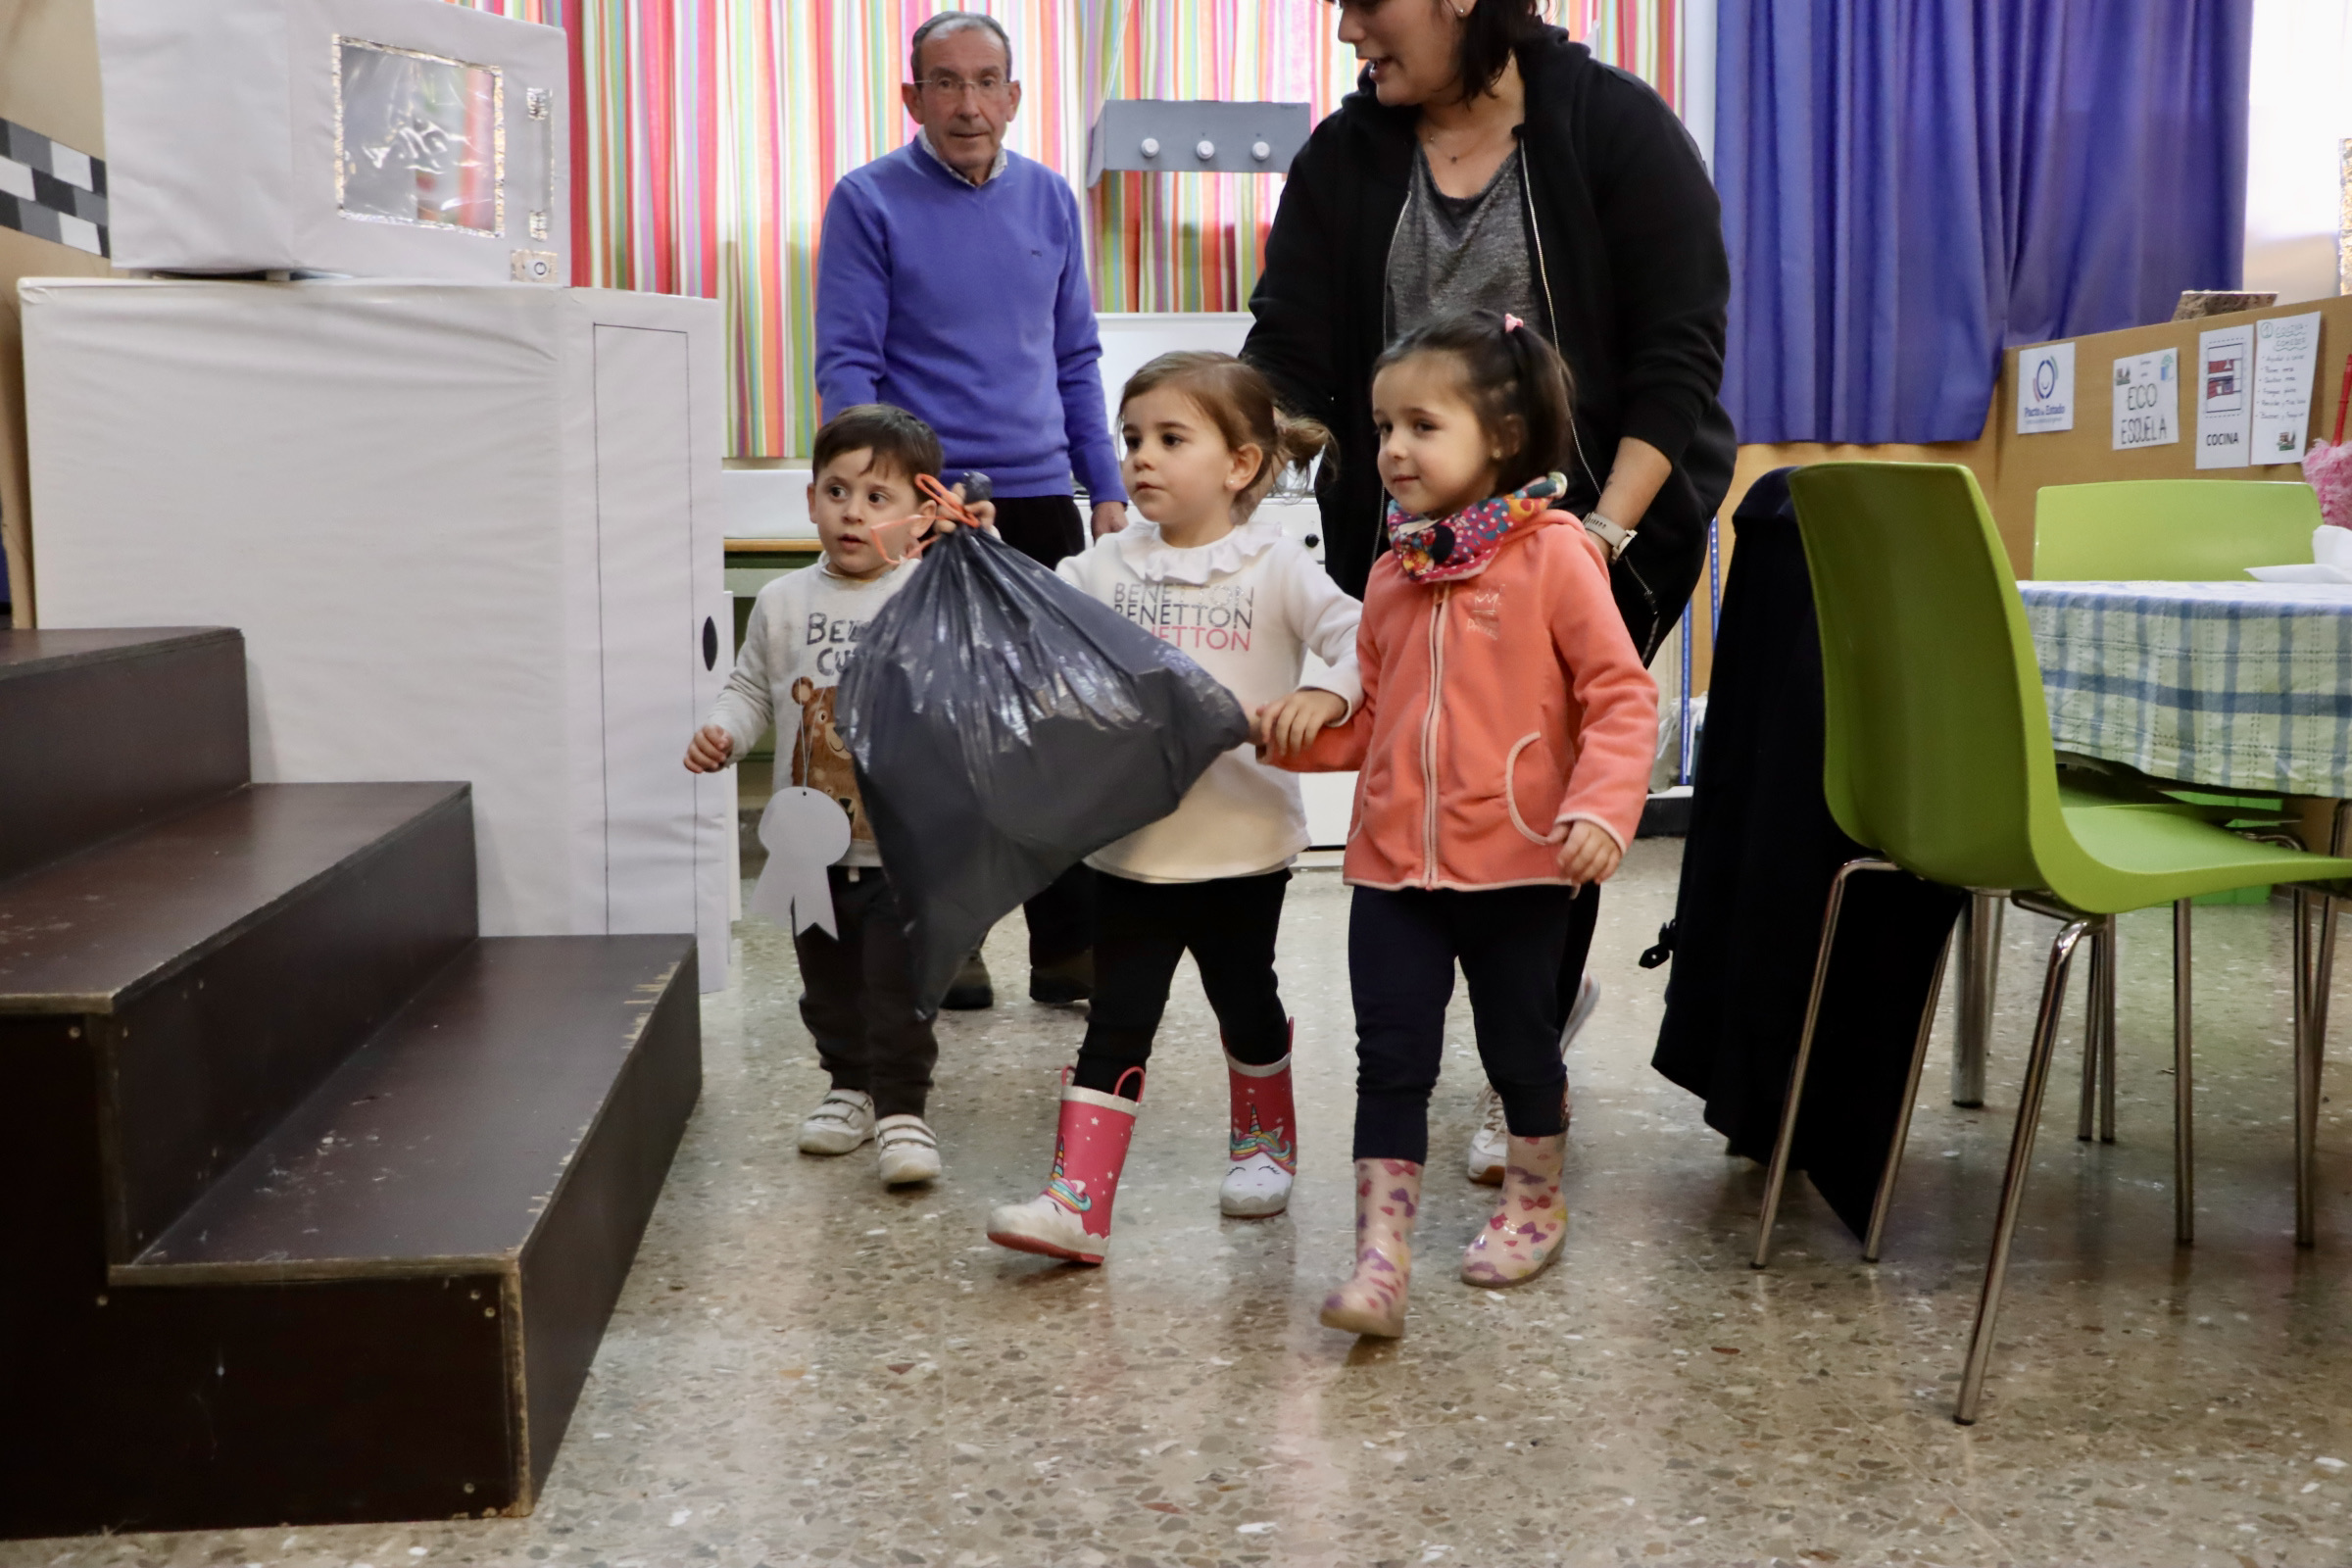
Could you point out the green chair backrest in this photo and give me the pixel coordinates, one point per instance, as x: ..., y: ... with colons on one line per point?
x: 2171, y: 530
x: 1937, y: 736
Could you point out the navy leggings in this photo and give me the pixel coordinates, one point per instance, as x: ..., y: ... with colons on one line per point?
x: 1401, y: 950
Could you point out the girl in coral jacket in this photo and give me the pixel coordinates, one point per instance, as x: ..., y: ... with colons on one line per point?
x: 1204, y: 444
x: 1504, y: 743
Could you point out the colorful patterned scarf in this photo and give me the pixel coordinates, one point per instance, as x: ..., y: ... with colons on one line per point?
x: 1451, y: 548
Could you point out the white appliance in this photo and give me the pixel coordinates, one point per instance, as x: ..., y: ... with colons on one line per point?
x: 470, y: 532
x: 379, y: 139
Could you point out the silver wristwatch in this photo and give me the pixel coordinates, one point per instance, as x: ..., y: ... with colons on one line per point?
x: 1613, y: 539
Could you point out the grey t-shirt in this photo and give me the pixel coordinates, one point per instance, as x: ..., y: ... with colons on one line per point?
x: 1463, y: 253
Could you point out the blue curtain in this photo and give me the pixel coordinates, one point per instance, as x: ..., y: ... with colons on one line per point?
x: 1909, y: 186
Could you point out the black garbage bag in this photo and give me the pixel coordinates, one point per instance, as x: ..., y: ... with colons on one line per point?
x: 1003, y: 727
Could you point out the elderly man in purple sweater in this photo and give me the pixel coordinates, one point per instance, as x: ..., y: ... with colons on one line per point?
x: 952, y: 282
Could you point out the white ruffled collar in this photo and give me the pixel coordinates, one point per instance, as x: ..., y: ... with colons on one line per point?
x: 1155, y: 560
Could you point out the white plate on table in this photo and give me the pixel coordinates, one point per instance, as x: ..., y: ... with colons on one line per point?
x: 2313, y: 573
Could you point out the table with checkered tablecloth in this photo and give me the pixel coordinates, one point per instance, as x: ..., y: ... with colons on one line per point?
x: 2236, y: 685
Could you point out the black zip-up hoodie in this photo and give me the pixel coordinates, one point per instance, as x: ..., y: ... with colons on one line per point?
x: 1629, y: 252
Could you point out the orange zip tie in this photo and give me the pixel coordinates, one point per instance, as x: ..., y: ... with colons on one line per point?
x: 947, y: 503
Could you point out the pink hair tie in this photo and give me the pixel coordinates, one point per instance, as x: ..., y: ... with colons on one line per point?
x: 1510, y: 322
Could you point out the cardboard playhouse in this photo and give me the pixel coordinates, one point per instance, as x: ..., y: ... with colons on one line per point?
x: 463, y: 514
x: 470, y: 532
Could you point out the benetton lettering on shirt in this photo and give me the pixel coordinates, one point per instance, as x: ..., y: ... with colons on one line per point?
x: 1215, y: 617
x: 837, y: 636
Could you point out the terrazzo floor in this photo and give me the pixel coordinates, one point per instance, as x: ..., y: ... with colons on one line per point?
x: 807, y: 1369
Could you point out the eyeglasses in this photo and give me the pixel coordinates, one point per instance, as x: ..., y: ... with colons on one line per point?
x: 949, y: 88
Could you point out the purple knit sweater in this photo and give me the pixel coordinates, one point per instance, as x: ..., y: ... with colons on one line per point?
x: 967, y: 305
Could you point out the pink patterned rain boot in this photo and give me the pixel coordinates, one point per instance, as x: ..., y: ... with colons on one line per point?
x: 1264, y: 1140
x: 1530, y: 1220
x: 1071, y: 1218
x: 1388, y: 1195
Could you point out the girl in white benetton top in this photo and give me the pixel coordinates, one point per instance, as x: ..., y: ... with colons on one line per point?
x: 1205, y: 443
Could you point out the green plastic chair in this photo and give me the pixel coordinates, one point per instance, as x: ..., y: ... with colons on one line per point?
x: 2154, y: 530
x: 2171, y: 530
x: 1937, y: 754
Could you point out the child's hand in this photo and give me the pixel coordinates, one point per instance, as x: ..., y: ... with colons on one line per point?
x: 1291, y: 723
x: 710, y: 750
x: 983, y: 512
x: 1587, y: 853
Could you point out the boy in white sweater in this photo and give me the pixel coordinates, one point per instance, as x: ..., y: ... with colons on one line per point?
x: 860, y: 997
x: 1204, y: 444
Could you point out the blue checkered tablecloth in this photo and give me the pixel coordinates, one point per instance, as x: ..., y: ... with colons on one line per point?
x: 2239, y: 685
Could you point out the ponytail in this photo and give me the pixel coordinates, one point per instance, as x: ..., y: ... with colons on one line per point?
x: 1517, y: 381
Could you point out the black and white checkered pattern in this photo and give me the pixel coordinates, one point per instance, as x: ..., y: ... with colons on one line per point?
x: 52, y: 192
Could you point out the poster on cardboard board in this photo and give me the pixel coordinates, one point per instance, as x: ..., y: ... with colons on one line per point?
x: 2147, y: 400
x: 2287, y: 359
x: 2224, y: 396
x: 2045, y: 389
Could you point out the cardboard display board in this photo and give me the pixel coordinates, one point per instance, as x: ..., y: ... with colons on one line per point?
x: 2217, y: 406
x: 48, y: 84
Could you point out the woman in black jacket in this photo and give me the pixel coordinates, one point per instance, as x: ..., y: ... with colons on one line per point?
x: 1486, y: 162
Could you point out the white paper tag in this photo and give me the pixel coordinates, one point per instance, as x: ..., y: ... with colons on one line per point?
x: 2147, y: 400
x: 2045, y: 389
x: 804, y: 832
x: 2287, y: 356
x: 2224, y: 396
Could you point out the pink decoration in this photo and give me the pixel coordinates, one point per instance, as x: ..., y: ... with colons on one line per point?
x: 2327, y: 465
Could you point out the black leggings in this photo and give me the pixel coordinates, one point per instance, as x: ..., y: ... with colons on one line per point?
x: 1583, y: 916
x: 1142, y: 929
x: 859, y: 1000
x: 1401, y: 950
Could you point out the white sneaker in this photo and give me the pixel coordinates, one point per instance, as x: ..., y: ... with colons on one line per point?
x: 908, y: 1149
x: 1489, y: 1145
x: 842, y: 1121
x: 1255, y: 1187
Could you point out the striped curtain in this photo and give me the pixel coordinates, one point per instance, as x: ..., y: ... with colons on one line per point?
x: 1642, y: 36
x: 1196, y: 243
x: 707, y: 133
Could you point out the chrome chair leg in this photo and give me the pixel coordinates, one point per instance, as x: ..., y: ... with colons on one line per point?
x: 1777, y: 1175
x: 2111, y: 953
x: 2184, y: 1094
x: 2314, y: 968
x: 2098, y: 1032
x: 1979, y: 966
x: 2021, y: 1160
x: 1885, y: 1198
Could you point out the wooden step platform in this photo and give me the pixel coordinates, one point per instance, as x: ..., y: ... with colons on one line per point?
x: 387, y: 1309
x: 313, y: 1205
x: 103, y: 731
x: 219, y: 963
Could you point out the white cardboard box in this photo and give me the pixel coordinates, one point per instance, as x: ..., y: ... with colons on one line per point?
x: 470, y: 532
x: 378, y: 138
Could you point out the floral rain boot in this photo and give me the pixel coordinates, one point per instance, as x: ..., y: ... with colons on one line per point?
x: 1530, y: 1217
x: 1388, y: 1195
x: 1264, y: 1140
x: 1071, y: 1218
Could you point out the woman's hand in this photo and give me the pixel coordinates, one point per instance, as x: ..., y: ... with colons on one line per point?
x: 710, y: 750
x: 1290, y: 724
x: 1587, y: 853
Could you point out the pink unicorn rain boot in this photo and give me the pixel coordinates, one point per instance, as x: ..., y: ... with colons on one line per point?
x: 1071, y: 1218
x: 1263, y: 1140
x: 1388, y: 1195
x: 1530, y: 1218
